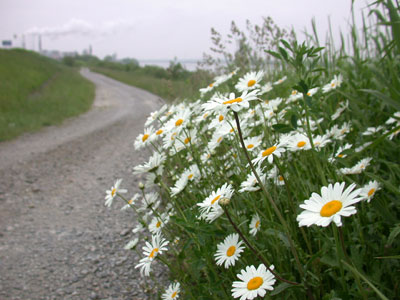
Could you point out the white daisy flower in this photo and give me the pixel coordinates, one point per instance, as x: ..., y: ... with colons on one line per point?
x: 150, y: 200
x: 236, y: 103
x: 255, y: 224
x: 340, y: 133
x: 249, y: 81
x: 131, y: 202
x: 224, y: 192
x: 331, y: 205
x: 335, y: 83
x: 154, y: 162
x: 362, y: 147
x: 369, y: 190
x: 312, y: 92
x: 299, y: 142
x: 172, y: 293
x: 251, y: 184
x: 372, y: 130
x: 155, y: 115
x: 131, y: 244
x: 114, y: 191
x: 150, y: 251
x: 219, y: 119
x: 294, y: 96
x: 157, y: 223
x: 321, y: 141
x: 276, y: 177
x: 253, y: 282
x: 208, y: 88
x: 358, y: 168
x: 266, y: 88
x: 179, y: 186
x: 178, y: 121
x: 143, y: 139
x: 279, y: 81
x: 269, y: 153
x: 228, y: 252
x: 343, y: 106
x: 252, y: 143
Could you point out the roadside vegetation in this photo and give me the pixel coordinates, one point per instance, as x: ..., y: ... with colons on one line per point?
x: 36, y: 91
x: 173, y: 83
x: 282, y: 181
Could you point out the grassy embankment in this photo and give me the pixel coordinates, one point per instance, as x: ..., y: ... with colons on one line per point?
x: 36, y: 91
x: 164, y: 83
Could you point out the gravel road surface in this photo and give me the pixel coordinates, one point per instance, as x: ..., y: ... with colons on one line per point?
x: 57, y: 239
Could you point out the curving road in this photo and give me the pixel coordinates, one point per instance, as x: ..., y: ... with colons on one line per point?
x: 57, y: 240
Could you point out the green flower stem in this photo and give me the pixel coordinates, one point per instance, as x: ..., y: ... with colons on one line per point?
x: 254, y: 250
x: 339, y: 257
x: 275, y: 207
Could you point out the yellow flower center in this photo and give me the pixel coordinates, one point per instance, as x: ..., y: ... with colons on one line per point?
x: 254, y: 283
x: 145, y: 137
x: 250, y: 146
x: 221, y: 117
x: 155, y: 250
x: 159, y: 131
x: 231, y: 130
x: 294, y: 92
x: 333, y: 84
x: 237, y: 100
x: 130, y: 201
x: 371, y: 192
x: 179, y: 122
x: 257, y: 224
x: 187, y: 140
x: 211, y: 85
x: 340, y: 155
x: 330, y: 208
x: 280, y: 178
x: 219, y: 140
x: 231, y: 250
x: 215, y: 199
x: 190, y: 176
x: 113, y: 191
x: 269, y: 151
x: 173, y: 136
x: 174, y: 295
x: 251, y: 83
x: 308, y: 94
x: 158, y: 224
x: 205, y: 115
x: 301, y: 144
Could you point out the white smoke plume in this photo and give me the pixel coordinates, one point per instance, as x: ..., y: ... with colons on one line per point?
x: 81, y: 28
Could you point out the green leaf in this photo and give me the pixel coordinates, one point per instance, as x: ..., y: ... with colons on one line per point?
x: 393, y: 234
x: 387, y: 100
x: 274, y: 54
x: 357, y: 273
x: 286, y: 44
x: 280, y: 288
x: 282, y: 128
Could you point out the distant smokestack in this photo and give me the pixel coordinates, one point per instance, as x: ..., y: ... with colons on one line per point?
x: 40, y: 43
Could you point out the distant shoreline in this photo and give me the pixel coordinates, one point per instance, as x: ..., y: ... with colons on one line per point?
x: 189, y: 64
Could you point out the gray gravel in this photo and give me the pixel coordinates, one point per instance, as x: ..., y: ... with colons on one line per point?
x: 57, y: 239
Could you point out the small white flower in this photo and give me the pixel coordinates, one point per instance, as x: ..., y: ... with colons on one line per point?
x: 331, y: 205
x: 253, y: 282
x: 255, y: 224
x: 131, y: 244
x: 269, y: 153
x: 279, y: 81
x: 335, y: 83
x: 172, y: 293
x: 113, y: 192
x: 358, y: 168
x: 249, y: 81
x: 369, y: 190
x: 228, y: 252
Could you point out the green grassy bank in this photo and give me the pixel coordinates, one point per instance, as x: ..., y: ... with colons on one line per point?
x: 36, y: 91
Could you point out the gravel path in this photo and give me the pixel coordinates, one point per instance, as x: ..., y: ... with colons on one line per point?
x: 57, y: 239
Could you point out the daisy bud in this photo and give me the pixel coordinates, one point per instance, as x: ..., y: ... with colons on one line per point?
x: 224, y: 201
x: 141, y: 185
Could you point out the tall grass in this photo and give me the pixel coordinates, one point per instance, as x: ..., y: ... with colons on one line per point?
x: 265, y: 172
x: 37, y: 92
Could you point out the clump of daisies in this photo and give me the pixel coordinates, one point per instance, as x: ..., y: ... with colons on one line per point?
x: 255, y: 171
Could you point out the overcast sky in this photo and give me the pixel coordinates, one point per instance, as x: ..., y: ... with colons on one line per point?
x: 155, y: 29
